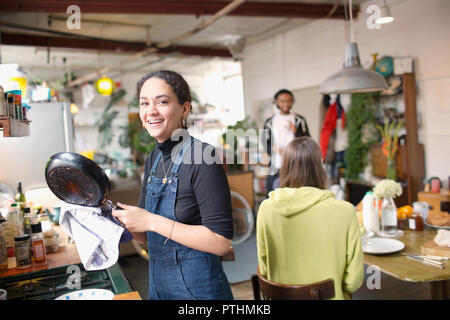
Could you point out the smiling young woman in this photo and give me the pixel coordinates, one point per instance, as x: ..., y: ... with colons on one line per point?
x: 161, y: 112
x: 184, y: 210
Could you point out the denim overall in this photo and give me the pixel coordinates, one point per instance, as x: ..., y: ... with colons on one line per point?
x: 176, y: 271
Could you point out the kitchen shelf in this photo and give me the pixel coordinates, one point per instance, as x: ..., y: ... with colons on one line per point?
x: 14, y: 128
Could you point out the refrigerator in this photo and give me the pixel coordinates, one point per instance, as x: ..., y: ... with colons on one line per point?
x: 23, y: 159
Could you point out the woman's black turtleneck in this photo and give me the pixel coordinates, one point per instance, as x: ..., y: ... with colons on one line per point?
x: 203, y: 195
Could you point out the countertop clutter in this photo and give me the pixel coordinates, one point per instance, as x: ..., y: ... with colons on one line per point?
x: 58, y: 276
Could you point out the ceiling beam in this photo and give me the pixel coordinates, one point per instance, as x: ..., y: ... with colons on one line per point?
x: 19, y: 39
x: 167, y: 44
x: 182, y: 7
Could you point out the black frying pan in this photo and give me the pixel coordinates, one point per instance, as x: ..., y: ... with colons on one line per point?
x: 78, y: 180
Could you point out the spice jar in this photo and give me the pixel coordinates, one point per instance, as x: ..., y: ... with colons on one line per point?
x: 23, y: 253
x: 40, y: 256
x: 416, y: 222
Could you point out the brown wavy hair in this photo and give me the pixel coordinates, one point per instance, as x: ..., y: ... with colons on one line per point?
x: 302, y: 165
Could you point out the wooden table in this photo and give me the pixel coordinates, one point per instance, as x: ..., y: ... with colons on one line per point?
x: 400, y: 267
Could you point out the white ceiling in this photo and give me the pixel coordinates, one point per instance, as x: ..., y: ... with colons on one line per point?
x: 163, y: 27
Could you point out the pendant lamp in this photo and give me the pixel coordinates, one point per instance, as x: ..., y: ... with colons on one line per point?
x: 385, y: 14
x: 105, y: 86
x: 353, y: 78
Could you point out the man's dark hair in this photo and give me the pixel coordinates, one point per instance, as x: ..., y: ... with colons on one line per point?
x: 282, y: 91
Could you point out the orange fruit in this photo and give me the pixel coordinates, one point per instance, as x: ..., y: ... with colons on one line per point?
x: 409, y: 210
x: 401, y: 214
x: 405, y: 212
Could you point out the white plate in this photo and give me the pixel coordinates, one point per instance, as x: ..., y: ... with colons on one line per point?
x: 381, y: 245
x: 88, y: 294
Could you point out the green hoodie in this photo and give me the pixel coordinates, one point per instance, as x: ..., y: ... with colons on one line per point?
x: 305, y: 235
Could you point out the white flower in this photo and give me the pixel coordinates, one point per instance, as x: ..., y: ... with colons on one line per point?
x: 387, y: 189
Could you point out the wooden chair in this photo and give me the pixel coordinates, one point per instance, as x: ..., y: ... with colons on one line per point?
x: 276, y: 291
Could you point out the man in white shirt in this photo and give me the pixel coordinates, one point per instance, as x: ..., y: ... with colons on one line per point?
x: 281, y: 129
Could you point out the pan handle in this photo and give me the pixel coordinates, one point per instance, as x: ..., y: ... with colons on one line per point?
x: 112, y: 205
x: 126, y: 236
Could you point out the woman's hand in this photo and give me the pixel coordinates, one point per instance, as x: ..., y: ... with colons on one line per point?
x: 134, y: 219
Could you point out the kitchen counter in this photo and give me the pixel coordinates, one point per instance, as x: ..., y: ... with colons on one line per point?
x: 134, y: 295
x: 67, y: 254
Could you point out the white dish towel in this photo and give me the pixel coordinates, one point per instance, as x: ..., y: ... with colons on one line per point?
x: 442, y: 238
x: 96, y: 237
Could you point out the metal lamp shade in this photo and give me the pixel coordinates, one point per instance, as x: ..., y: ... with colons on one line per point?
x: 353, y: 78
x: 385, y: 15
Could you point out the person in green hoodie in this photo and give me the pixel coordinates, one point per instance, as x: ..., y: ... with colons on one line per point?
x: 304, y: 234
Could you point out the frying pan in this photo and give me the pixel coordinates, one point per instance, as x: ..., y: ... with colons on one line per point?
x: 78, y: 180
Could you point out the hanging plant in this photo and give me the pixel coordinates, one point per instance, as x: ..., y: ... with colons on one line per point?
x: 361, y: 132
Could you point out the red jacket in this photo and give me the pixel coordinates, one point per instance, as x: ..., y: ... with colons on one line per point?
x: 329, y: 125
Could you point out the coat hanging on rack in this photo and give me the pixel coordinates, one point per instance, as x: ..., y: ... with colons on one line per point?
x: 335, y: 111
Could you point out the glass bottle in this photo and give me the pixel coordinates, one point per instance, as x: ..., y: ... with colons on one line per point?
x: 20, y: 197
x: 9, y: 232
x: 3, y: 252
x: 26, y: 225
x: 8, y: 237
x: 14, y: 220
x: 388, y: 216
x: 27, y: 221
x: 37, y: 238
x: 391, y: 171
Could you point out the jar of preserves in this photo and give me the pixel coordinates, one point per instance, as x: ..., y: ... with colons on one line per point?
x: 416, y: 222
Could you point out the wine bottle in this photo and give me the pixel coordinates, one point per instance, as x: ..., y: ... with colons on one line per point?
x: 20, y: 197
